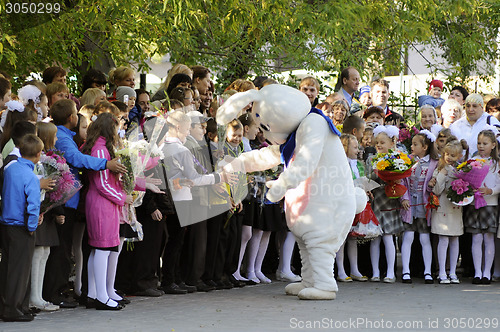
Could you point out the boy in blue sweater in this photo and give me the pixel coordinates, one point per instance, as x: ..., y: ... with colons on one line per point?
x: 59, y: 264
x: 19, y: 220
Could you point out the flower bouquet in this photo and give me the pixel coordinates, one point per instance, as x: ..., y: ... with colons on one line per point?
x: 55, y: 167
x: 392, y: 167
x: 366, y: 225
x: 432, y: 204
x: 460, y: 193
x: 470, y: 174
x: 137, y: 155
x: 406, y: 135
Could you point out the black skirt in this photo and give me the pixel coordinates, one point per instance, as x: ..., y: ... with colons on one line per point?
x: 46, y: 233
x: 114, y: 249
x: 270, y: 218
x: 250, y: 212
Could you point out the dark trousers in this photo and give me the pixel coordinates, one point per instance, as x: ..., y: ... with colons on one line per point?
x: 60, y: 262
x: 194, y: 252
x: 172, y: 252
x: 18, y: 246
x: 228, y: 248
x: 214, y: 225
x: 138, y: 268
x: 86, y: 250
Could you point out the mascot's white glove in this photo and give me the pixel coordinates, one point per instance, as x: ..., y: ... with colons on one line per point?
x: 276, y: 190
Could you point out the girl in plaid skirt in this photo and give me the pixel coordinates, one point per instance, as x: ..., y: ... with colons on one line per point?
x: 386, y: 210
x: 419, y: 186
x: 483, y: 222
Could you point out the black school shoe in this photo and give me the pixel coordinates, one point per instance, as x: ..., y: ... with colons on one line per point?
x: 23, y: 318
x: 65, y: 304
x: 104, y: 306
x: 406, y: 281
x: 90, y: 303
x: 485, y: 281
x: 223, y: 285
x: 173, y: 288
x: 188, y: 288
x: 150, y: 292
x: 476, y: 281
x: 203, y: 287
x: 235, y: 282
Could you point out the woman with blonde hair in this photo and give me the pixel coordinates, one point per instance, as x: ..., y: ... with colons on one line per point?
x: 121, y: 76
x: 93, y: 96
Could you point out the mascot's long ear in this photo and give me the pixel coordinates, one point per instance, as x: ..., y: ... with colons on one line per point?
x: 233, y: 106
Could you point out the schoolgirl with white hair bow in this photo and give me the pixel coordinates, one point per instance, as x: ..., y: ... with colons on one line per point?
x: 33, y: 98
x: 419, y: 184
x: 386, y: 210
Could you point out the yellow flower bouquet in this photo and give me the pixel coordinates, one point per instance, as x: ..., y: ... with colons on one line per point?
x: 392, y: 167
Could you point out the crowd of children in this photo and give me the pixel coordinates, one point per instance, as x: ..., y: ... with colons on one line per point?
x: 208, y: 228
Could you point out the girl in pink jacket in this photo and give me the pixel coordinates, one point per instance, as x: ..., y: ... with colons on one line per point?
x: 104, y: 200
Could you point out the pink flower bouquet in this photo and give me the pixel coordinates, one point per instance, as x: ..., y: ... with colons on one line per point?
x: 474, y: 171
x: 55, y: 167
x: 460, y: 192
x: 470, y: 176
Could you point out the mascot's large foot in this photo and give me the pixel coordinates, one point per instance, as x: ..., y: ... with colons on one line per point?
x: 294, y: 288
x: 316, y: 294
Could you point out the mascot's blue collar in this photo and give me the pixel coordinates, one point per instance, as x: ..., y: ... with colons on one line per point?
x: 287, y: 149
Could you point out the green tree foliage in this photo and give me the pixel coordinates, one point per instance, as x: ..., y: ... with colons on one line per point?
x: 235, y: 37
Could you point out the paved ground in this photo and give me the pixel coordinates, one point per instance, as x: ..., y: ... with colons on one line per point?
x: 358, y: 307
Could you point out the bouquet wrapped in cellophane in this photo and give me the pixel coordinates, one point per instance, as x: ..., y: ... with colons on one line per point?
x: 470, y: 174
x: 392, y: 167
x: 54, y: 166
x: 138, y: 155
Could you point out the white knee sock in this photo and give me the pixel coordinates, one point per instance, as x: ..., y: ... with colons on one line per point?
x: 489, y: 253
x: 375, y: 255
x: 246, y: 235
x: 41, y: 273
x: 390, y: 254
x: 264, y: 242
x: 253, y: 249
x: 101, y: 259
x: 352, y: 253
x: 408, y: 237
x: 78, y: 232
x: 425, y: 241
x: 339, y: 262
x: 286, y: 253
x: 35, y: 294
x: 442, y: 249
x: 454, y: 249
x: 111, y: 275
x: 477, y: 254
x: 91, y: 291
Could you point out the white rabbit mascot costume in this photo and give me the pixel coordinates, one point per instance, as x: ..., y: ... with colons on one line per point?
x: 320, y: 198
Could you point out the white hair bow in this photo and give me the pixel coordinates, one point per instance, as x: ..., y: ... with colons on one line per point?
x: 429, y: 135
x: 391, y: 131
x: 435, y: 129
x: 12, y: 105
x: 29, y: 92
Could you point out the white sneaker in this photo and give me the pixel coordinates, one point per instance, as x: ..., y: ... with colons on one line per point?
x: 47, y: 306
x: 287, y: 277
x: 454, y: 279
x: 445, y: 281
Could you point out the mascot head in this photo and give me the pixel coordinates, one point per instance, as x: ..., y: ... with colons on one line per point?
x: 279, y: 108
